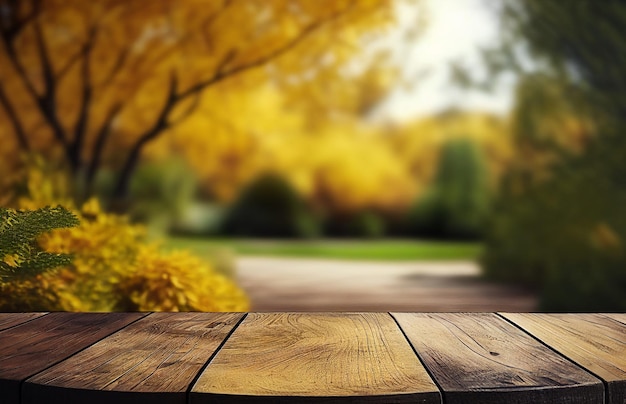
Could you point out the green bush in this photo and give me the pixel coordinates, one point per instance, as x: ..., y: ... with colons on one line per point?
x: 457, y: 203
x: 200, y: 219
x: 269, y: 207
x: 21, y: 256
x: 160, y: 192
x: 23, y: 261
x: 565, y: 236
x: 562, y: 228
x: 364, y: 224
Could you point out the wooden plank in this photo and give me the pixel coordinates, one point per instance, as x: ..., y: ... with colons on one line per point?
x: 159, y: 354
x: 35, y: 345
x: 593, y: 341
x: 480, y: 358
x: 621, y: 317
x: 8, y: 320
x: 332, y: 357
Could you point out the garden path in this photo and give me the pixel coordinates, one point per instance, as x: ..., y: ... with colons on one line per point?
x: 296, y: 284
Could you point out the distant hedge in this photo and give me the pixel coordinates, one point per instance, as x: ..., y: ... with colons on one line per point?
x: 269, y: 207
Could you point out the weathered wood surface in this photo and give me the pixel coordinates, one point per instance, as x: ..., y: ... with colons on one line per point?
x: 304, y: 357
x: 161, y: 353
x: 33, y: 346
x: 8, y: 320
x: 271, y: 357
x: 480, y: 358
x: 621, y: 317
x: 593, y: 341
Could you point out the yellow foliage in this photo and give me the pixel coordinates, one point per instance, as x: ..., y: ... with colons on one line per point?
x: 11, y: 260
x: 114, y: 269
x: 419, y: 143
x: 30, y: 295
x: 150, y: 64
x: 178, y: 282
x: 604, y: 237
x: 353, y: 165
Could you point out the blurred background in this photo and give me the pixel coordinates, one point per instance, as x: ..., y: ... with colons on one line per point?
x: 314, y: 155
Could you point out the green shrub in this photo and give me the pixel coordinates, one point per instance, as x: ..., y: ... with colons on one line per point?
x: 365, y: 224
x: 565, y: 236
x: 457, y: 203
x: 23, y: 261
x: 200, y: 219
x: 269, y: 207
x: 160, y: 192
x: 21, y: 256
x: 563, y: 228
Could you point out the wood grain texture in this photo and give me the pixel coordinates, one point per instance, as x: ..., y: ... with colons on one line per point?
x: 288, y: 357
x: 621, y: 317
x: 35, y: 345
x: 480, y: 358
x: 159, y: 354
x: 593, y: 341
x: 8, y: 320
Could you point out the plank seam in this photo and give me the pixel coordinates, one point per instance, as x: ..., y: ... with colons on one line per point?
x: 605, y: 384
x: 208, y: 362
x: 23, y: 382
x: 613, y: 318
x: 25, y: 322
x: 442, y: 395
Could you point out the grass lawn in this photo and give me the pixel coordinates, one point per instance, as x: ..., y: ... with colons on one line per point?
x: 394, y: 250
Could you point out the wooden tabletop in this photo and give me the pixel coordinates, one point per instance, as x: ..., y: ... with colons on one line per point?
x: 312, y: 357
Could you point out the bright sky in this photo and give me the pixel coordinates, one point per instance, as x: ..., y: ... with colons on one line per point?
x: 456, y: 30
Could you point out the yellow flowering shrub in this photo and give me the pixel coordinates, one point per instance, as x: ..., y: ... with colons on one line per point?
x: 113, y: 268
x: 177, y: 282
x: 33, y: 294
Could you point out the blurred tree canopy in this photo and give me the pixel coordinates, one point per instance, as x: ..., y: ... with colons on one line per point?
x: 98, y: 81
x: 269, y: 207
x: 457, y: 203
x: 561, y: 223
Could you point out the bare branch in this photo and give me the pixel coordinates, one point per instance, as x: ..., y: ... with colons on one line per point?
x: 117, y: 66
x: 19, y: 67
x: 13, y: 117
x: 71, y: 61
x: 44, y: 57
x: 10, y: 30
x: 209, y: 21
x: 160, y: 125
x: 162, y: 118
x: 98, y: 147
x: 82, y: 119
x: 45, y: 102
x: 190, y: 110
x: 220, y: 74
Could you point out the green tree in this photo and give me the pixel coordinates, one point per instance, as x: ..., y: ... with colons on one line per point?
x: 564, y: 231
x: 457, y: 203
x: 269, y: 207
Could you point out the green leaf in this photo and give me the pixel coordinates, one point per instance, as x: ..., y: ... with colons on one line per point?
x: 20, y: 254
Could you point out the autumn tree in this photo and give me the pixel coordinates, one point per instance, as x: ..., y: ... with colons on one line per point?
x: 101, y: 80
x: 319, y: 148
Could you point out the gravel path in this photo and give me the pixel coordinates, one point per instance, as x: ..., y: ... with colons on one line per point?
x: 288, y: 284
